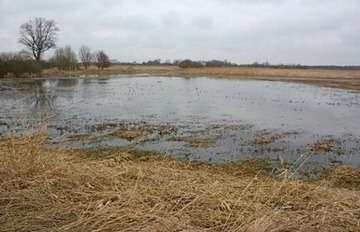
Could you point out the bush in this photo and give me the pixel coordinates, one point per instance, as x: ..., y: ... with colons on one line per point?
x: 217, y: 63
x: 102, y: 59
x: 2, y: 68
x: 17, y: 65
x: 64, y: 59
x: 190, y: 64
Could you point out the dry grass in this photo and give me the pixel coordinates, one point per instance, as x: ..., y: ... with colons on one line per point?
x: 161, y: 70
x: 126, y: 190
x: 126, y: 134
x: 218, y: 72
x: 271, y: 72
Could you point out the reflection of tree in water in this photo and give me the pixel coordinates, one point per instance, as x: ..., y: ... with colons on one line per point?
x: 43, y: 98
x: 102, y: 80
x: 86, y: 81
x: 67, y: 82
x: 65, y: 88
x: 41, y: 101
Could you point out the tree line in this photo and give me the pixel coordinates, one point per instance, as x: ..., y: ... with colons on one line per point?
x: 65, y: 58
x: 187, y: 63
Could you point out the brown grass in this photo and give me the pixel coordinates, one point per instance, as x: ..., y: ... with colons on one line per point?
x: 126, y: 190
x: 126, y: 134
x: 277, y: 73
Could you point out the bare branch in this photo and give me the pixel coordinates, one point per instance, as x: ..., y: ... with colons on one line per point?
x: 64, y: 58
x: 38, y: 36
x: 85, y: 56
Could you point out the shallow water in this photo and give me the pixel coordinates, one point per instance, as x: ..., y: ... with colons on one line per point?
x: 208, y: 119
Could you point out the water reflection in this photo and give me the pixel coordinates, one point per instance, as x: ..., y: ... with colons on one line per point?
x: 69, y: 82
x: 43, y: 99
x: 190, y: 105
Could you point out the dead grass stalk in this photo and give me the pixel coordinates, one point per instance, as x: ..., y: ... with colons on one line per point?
x: 126, y: 190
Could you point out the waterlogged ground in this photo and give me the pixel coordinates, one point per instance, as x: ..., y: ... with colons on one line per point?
x: 206, y: 119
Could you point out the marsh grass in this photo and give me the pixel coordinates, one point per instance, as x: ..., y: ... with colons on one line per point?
x: 45, y: 189
x: 250, y: 72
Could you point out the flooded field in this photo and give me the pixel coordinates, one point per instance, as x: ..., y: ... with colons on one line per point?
x: 206, y: 119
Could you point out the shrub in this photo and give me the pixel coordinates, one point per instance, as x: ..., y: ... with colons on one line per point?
x: 64, y: 59
x: 190, y: 64
x: 102, y: 59
x: 17, y: 65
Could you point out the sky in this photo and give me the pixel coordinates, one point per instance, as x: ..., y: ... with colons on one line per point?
x: 308, y: 32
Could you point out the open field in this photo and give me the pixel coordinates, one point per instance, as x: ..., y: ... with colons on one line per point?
x: 347, y: 79
x: 127, y: 190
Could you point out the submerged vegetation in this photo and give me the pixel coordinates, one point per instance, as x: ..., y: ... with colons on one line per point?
x: 45, y: 189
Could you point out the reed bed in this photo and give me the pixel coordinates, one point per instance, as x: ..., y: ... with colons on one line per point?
x: 44, y: 189
x: 219, y: 72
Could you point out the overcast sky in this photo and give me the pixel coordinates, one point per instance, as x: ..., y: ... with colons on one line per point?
x: 242, y: 31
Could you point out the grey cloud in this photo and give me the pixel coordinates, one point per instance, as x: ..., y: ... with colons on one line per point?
x: 136, y: 22
x: 171, y: 20
x: 202, y: 21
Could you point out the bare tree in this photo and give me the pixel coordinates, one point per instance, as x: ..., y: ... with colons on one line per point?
x: 64, y: 58
x: 85, y: 56
x: 103, y: 60
x: 38, y: 36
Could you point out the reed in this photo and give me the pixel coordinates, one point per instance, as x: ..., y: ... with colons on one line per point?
x: 219, y: 72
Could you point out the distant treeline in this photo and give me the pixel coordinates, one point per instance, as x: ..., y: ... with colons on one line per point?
x: 187, y: 63
x: 300, y: 66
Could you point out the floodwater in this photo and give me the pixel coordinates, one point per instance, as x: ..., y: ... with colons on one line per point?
x: 206, y: 119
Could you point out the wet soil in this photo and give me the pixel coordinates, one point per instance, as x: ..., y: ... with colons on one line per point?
x: 340, y: 83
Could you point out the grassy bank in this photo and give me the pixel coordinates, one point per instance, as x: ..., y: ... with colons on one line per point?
x: 347, y: 79
x: 113, y: 190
